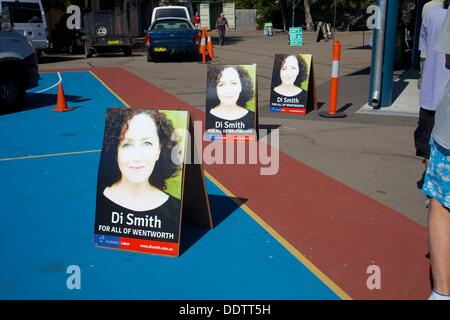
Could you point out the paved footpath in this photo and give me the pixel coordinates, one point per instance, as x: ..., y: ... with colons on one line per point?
x: 373, y: 154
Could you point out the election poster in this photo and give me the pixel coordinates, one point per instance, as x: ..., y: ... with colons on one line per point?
x: 231, y: 104
x: 141, y: 181
x: 293, y: 85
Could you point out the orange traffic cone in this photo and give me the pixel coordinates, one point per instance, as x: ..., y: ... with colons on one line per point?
x: 61, y: 104
x: 202, y: 48
x: 210, y: 47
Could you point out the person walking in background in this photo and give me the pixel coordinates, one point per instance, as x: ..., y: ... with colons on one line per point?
x: 437, y: 183
x: 221, y: 26
x: 435, y: 77
x: 197, y: 21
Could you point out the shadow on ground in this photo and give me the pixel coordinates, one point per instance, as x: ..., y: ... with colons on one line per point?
x: 46, y: 59
x: 42, y: 100
x: 266, y: 129
x: 228, y: 40
x: 365, y: 47
x: 176, y: 58
x: 221, y: 208
x: 399, y: 86
x: 366, y: 71
x: 116, y: 55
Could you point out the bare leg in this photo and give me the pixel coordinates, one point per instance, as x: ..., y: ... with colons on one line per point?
x: 439, y: 237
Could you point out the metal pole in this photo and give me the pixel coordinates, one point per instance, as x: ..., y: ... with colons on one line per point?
x: 377, y: 57
x: 389, y: 53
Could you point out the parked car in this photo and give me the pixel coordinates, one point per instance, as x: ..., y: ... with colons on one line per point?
x: 18, y: 65
x: 106, y: 32
x: 64, y: 39
x: 28, y: 17
x: 171, y: 12
x: 169, y: 36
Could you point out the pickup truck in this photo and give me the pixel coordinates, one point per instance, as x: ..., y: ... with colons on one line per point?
x: 171, y: 12
x: 170, y: 36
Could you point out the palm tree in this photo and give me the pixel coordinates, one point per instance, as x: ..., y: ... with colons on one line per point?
x: 284, y: 13
x: 308, y: 18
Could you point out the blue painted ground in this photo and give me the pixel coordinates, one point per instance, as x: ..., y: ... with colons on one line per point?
x: 48, y: 207
x: 37, y: 130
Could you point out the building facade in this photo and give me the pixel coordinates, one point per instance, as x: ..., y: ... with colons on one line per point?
x: 210, y: 10
x: 138, y: 13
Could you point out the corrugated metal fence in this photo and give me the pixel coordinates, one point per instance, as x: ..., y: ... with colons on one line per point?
x: 245, y: 19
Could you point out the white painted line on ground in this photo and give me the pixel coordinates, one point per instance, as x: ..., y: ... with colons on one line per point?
x: 48, y: 155
x: 60, y: 80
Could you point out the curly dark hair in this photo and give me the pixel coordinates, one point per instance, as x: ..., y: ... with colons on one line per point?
x: 115, y: 129
x: 278, y: 64
x: 214, y: 74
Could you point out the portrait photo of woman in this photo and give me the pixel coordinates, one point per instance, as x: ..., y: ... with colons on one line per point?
x: 289, y: 81
x: 230, y: 95
x: 135, y: 165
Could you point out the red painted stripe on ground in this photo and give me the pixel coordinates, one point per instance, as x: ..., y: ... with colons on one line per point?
x: 337, y: 228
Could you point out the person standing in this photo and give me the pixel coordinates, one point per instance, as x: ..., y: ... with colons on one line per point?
x: 437, y: 183
x: 435, y: 77
x: 222, y: 26
x: 197, y: 21
x: 426, y: 8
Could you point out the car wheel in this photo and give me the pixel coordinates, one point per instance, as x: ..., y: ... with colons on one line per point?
x: 127, y: 51
x: 70, y: 49
x: 195, y: 57
x: 87, y: 51
x: 152, y: 57
x: 12, y: 93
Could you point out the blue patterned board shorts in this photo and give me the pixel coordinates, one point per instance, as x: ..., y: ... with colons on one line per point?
x: 437, y: 178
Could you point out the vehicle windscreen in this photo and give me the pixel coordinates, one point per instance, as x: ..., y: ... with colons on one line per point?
x: 171, y: 25
x: 170, y: 13
x: 23, y: 12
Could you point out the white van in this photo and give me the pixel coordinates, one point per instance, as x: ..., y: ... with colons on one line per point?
x: 28, y: 18
x: 171, y: 12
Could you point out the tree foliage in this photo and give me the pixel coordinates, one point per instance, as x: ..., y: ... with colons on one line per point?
x: 280, y: 11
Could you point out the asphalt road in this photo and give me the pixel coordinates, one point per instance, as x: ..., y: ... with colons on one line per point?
x: 370, y: 153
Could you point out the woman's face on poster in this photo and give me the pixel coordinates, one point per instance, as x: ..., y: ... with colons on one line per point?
x: 139, y: 149
x: 289, y: 70
x: 229, y: 87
